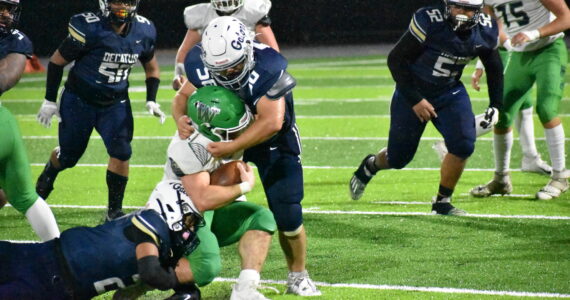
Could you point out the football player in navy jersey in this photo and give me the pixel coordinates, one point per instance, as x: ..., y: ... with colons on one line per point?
x: 144, y: 247
x: 427, y: 63
x: 16, y: 184
x: 104, y: 47
x: 228, y: 56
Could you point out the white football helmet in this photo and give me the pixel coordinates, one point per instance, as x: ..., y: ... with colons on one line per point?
x: 227, y: 51
x: 170, y: 200
x: 227, y: 6
x: 462, y: 22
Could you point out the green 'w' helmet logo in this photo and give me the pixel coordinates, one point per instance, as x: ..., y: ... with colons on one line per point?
x: 206, y: 113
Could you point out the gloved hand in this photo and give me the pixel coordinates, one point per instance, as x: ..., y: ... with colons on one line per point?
x: 154, y: 109
x: 490, y: 118
x: 47, y: 111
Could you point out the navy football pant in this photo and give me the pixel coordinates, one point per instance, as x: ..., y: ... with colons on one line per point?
x: 281, y: 173
x: 78, y: 118
x: 31, y: 271
x: 455, y: 122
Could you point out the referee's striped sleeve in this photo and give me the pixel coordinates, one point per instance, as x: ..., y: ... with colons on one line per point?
x: 417, y: 31
x: 76, y: 34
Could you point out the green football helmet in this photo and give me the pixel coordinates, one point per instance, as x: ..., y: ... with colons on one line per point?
x: 218, y: 113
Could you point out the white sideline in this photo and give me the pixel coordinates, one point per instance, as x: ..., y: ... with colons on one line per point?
x: 418, y: 289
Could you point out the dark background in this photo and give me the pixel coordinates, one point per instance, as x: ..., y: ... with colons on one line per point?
x: 295, y: 22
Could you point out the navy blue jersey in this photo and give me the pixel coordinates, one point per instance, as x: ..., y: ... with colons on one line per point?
x: 103, y: 258
x: 269, y: 68
x: 103, y: 58
x: 15, y: 42
x: 447, y: 52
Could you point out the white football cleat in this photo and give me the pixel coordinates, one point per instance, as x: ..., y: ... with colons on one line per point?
x: 247, y: 290
x: 501, y: 184
x: 440, y: 148
x: 300, y: 284
x: 535, y: 165
x: 553, y: 189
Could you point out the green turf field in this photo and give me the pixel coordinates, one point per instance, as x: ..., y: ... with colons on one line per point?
x: 383, y: 246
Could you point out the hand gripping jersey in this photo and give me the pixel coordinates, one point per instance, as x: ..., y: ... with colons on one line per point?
x: 103, y: 258
x: 15, y: 42
x: 524, y: 15
x: 197, y: 17
x: 268, y: 77
x: 190, y: 156
x: 104, y: 58
x: 441, y: 64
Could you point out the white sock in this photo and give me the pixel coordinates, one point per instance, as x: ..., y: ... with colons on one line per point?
x: 42, y: 220
x: 502, y: 143
x: 555, y: 141
x: 525, y: 127
x: 249, y: 275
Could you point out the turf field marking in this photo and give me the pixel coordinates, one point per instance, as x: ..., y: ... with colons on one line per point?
x: 342, y: 212
x: 417, y: 289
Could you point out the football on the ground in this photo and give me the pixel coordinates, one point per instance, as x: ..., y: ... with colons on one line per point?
x: 226, y: 174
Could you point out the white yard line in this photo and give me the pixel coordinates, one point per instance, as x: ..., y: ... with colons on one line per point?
x: 418, y: 289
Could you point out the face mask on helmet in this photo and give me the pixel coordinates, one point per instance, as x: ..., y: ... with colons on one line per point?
x: 227, y: 52
x: 463, y: 14
x: 227, y: 6
x: 119, y: 11
x: 170, y: 200
x: 9, y: 16
x: 218, y: 113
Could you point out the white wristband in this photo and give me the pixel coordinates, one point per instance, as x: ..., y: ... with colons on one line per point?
x: 245, y: 187
x: 507, y: 45
x: 532, y: 35
x: 179, y: 70
x: 479, y: 65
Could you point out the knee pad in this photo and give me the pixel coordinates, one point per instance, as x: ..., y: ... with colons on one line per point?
x: 121, y: 151
x: 67, y: 160
x: 263, y: 220
x: 288, y: 216
x: 462, y: 149
x: 293, y: 233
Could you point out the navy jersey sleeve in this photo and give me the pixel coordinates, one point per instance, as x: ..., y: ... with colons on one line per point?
x: 18, y: 42
x: 149, y: 39
x: 489, y: 33
x: 152, y: 224
x: 80, y: 29
x: 270, y: 77
x: 196, y: 72
x: 422, y: 20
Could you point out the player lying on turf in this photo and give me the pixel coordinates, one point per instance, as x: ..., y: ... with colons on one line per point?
x: 146, y: 246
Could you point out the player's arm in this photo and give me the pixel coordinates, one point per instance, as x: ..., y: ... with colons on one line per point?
x: 406, y: 51
x: 206, y: 196
x: 11, y: 69
x: 494, y: 69
x: 561, y: 23
x: 268, y: 121
x: 152, y: 82
x: 191, y: 38
x: 179, y: 108
x: 265, y: 35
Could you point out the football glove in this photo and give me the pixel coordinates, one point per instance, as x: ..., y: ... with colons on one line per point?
x: 154, y: 109
x: 47, y: 111
x: 490, y: 118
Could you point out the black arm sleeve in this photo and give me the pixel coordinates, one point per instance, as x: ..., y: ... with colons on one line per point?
x: 153, y: 274
x: 54, y: 75
x: 152, y: 84
x: 494, y: 69
x: 265, y: 21
x: 71, y: 49
x: 406, y: 51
